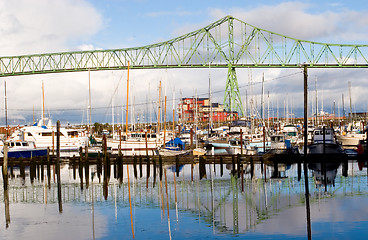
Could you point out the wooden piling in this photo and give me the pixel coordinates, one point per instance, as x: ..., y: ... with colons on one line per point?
x: 241, y: 141
x: 80, y: 169
x: 160, y: 166
x: 104, y: 148
x: 22, y: 171
x: 242, y: 180
x: 120, y: 167
x: 262, y: 162
x: 53, y: 144
x: 140, y: 166
x: 148, y: 170
x: 5, y: 166
x: 73, y: 166
x: 202, y: 167
x: 275, y: 169
x: 58, y: 165
x: 135, y: 166
x: 86, y: 168
x: 32, y: 170
x: 345, y: 168
x: 251, y: 167
x: 38, y: 171
x: 191, y: 172
x: 191, y: 137
x: 309, y: 228
x: 41, y: 170
x: 154, y: 171
x: 177, y: 166
x: 99, y: 166
x: 10, y: 165
x: 233, y: 165
x: 238, y: 165
x: 7, y: 209
x: 221, y: 166
x: 80, y: 155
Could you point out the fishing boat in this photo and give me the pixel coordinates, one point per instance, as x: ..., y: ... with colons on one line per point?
x: 173, y: 147
x: 237, y: 148
x: 24, y: 149
x: 324, y: 142
x: 279, y: 144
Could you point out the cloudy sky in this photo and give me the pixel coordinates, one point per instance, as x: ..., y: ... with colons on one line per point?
x: 43, y: 26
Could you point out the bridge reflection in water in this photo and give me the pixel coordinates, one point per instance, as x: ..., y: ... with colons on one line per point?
x: 224, y: 197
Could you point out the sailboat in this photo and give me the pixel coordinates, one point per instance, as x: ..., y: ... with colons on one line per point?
x: 44, y: 136
x: 135, y: 143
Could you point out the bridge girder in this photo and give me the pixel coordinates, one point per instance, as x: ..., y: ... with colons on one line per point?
x: 227, y: 43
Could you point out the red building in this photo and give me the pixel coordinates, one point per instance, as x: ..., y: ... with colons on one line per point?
x: 189, y: 107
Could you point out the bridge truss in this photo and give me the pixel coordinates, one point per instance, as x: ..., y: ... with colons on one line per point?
x: 227, y: 43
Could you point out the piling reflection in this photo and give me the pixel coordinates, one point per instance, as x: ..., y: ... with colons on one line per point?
x: 233, y: 198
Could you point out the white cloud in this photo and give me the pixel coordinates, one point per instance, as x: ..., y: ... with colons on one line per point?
x: 46, y: 26
x: 43, y: 26
x: 294, y: 19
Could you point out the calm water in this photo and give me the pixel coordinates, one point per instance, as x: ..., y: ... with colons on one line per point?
x: 214, y: 207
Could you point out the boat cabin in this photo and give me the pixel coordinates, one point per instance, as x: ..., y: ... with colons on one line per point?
x: 328, y: 136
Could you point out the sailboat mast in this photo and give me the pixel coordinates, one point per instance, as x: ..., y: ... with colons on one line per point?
x: 268, y: 109
x: 343, y: 106
x: 173, y: 118
x: 210, y: 99
x: 351, y: 109
x: 89, y: 102
x: 196, y: 116
x: 165, y: 120
x: 6, y: 111
x: 159, y: 109
x: 127, y: 104
x: 113, y: 117
x: 43, y: 104
x: 315, y: 84
x: 262, y: 105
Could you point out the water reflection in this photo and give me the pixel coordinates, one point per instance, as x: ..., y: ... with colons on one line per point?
x: 324, y: 173
x: 227, y: 199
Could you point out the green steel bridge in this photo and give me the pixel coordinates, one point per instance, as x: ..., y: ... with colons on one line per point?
x: 227, y: 43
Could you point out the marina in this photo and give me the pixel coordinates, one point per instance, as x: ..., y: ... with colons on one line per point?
x: 223, y: 202
x: 226, y: 131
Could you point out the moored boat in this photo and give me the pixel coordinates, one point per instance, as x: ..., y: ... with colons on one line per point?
x: 324, y: 142
x: 24, y: 149
x: 45, y: 137
x: 173, y: 147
